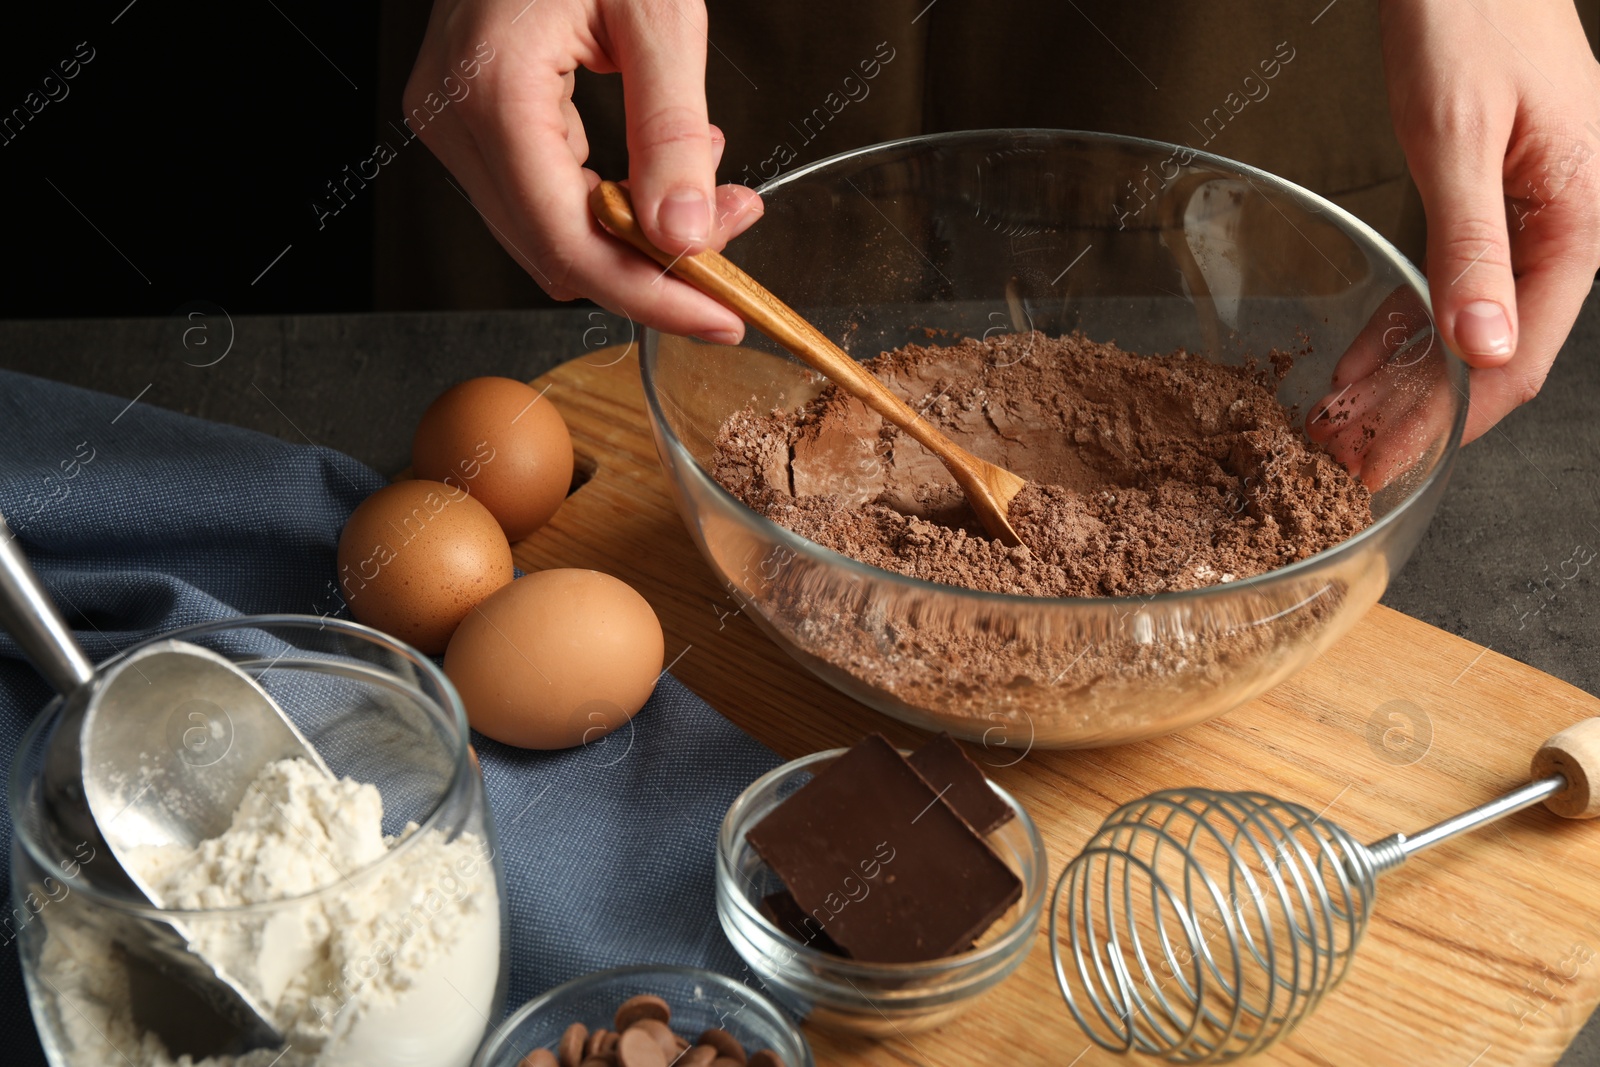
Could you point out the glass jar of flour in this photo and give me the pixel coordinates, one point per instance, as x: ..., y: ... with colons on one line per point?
x: 363, y: 913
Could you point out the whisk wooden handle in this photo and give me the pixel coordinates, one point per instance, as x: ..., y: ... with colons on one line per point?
x: 1573, y: 753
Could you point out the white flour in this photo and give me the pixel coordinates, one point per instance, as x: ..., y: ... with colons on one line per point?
x: 398, y: 967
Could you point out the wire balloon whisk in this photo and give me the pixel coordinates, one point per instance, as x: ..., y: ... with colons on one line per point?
x: 1201, y: 926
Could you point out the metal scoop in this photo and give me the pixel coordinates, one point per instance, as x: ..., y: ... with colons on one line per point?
x: 158, y: 749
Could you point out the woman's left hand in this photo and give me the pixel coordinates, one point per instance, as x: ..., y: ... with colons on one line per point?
x: 1497, y: 105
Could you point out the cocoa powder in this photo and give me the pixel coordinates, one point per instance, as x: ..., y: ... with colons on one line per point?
x: 1146, y: 474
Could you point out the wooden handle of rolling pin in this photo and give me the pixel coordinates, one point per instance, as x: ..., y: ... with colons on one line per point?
x: 1574, y: 753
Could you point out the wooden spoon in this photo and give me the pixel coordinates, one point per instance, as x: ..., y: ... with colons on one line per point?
x: 989, y: 489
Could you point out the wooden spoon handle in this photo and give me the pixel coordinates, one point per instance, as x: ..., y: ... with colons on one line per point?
x: 726, y: 283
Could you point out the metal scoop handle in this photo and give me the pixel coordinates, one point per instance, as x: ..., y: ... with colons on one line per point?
x: 29, y: 615
x: 216, y: 1013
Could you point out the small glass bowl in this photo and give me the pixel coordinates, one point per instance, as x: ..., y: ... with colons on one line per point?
x: 877, y: 1000
x: 376, y: 710
x: 700, y: 1000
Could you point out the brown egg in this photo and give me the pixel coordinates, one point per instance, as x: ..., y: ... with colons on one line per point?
x: 556, y: 659
x: 416, y: 556
x: 504, y: 443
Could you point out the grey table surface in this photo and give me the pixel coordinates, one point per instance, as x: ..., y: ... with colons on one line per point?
x: 1523, y: 501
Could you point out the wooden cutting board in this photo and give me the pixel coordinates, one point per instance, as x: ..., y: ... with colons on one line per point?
x: 1483, y: 951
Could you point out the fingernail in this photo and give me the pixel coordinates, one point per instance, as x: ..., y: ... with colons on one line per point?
x: 719, y: 337
x: 1482, y: 329
x: 755, y: 209
x: 685, y: 216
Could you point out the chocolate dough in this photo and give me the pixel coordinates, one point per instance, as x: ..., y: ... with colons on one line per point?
x: 1146, y: 474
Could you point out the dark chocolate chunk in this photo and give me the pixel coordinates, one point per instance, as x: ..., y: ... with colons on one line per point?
x: 789, y: 917
x: 951, y: 772
x: 869, y: 849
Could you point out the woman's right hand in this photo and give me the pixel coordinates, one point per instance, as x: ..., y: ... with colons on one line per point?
x: 517, y: 145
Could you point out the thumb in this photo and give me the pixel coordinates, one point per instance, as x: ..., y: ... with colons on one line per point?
x: 1469, y: 252
x: 660, y: 48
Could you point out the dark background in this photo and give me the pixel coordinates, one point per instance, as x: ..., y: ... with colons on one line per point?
x: 185, y: 156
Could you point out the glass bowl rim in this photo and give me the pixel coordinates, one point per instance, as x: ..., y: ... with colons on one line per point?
x: 1018, y: 935
x: 773, y: 531
x: 499, y: 1035
x: 454, y: 711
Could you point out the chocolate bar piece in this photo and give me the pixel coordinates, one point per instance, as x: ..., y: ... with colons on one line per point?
x: 889, y: 869
x: 951, y: 772
x: 793, y: 920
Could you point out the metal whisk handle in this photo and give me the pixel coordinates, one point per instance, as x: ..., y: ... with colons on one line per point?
x: 1566, y: 773
x: 1395, y: 849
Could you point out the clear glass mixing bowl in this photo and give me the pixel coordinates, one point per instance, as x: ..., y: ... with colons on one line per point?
x: 401, y: 961
x: 1155, y: 246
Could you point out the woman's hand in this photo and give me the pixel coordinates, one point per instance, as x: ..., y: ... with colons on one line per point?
x: 1497, y: 105
x: 517, y: 145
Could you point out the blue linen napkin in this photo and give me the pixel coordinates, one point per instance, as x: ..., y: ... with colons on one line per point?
x: 141, y: 520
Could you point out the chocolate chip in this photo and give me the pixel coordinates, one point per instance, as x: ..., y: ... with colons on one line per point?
x: 724, y: 1061
x: 539, y: 1057
x: 767, y: 1058
x: 661, y: 1033
x: 699, y: 1056
x: 725, y: 1044
x: 596, y: 1045
x: 638, y: 1048
x: 570, y: 1048
x: 643, y: 1006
